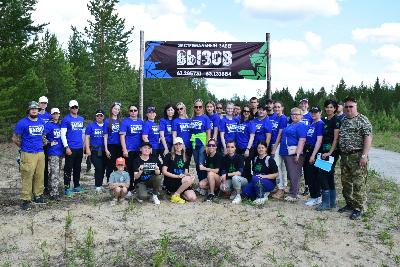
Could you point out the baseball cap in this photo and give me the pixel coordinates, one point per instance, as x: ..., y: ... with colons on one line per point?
x: 99, y: 111
x: 151, y: 109
x: 43, y: 99
x: 33, y: 105
x: 304, y: 100
x: 315, y: 109
x: 178, y: 140
x: 146, y: 144
x: 54, y: 110
x: 73, y: 103
x: 120, y: 161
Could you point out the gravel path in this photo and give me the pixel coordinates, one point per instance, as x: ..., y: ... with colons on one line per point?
x: 385, y: 162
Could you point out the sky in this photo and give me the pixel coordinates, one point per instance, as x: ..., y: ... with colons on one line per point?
x: 314, y: 43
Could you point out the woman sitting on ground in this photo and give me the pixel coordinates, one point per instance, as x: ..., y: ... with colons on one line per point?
x: 212, y: 166
x: 177, y: 179
x: 263, y: 181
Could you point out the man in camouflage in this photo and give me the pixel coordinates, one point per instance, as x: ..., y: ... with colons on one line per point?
x: 355, y: 139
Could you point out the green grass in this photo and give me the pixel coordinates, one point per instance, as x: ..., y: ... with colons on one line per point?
x: 387, y: 140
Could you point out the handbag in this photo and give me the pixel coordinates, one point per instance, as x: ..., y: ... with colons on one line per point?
x: 291, y: 149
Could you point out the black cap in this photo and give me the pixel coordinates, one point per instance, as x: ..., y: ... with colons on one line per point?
x: 315, y: 109
x: 99, y: 111
x: 146, y: 144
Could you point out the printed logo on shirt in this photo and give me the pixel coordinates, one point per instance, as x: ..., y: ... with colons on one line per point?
x: 57, y: 133
x: 184, y: 126
x: 76, y: 125
x: 240, y: 128
x: 115, y: 128
x: 310, y: 132
x: 180, y: 164
x: 196, y: 124
x: 305, y: 121
x: 258, y: 126
x: 169, y: 128
x: 36, y: 129
x: 231, y: 168
x: 135, y: 129
x: 211, y: 125
x: 98, y: 132
x: 257, y: 167
x: 231, y: 128
x: 155, y: 129
x: 275, y: 125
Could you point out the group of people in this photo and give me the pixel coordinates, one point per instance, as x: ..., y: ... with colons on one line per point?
x: 244, y: 152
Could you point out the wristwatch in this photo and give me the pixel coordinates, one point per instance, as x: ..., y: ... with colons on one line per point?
x: 363, y: 156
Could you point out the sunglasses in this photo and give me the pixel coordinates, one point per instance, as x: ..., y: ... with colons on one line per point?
x: 99, y: 115
x: 246, y: 111
x: 133, y: 110
x: 74, y: 107
x: 348, y: 106
x: 198, y: 107
x: 182, y: 108
x: 218, y: 107
x: 211, y: 145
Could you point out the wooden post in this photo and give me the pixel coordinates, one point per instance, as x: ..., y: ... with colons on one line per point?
x: 267, y: 37
x: 141, y: 73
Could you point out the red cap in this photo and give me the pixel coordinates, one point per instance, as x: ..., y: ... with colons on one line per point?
x: 120, y: 161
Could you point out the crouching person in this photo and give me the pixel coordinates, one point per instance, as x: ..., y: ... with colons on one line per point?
x: 263, y: 181
x: 177, y: 179
x: 147, y: 173
x: 119, y: 181
x: 232, y: 180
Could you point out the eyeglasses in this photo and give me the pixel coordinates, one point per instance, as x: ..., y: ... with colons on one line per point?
x: 348, y: 106
x: 133, y: 110
x: 74, y: 107
x: 244, y: 111
x: 211, y: 145
x: 182, y: 108
x: 198, y: 107
x: 218, y: 107
x: 295, y: 114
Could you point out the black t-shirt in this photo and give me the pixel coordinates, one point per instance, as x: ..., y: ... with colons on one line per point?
x: 329, y: 128
x: 148, y: 167
x: 259, y: 166
x: 177, y: 165
x: 232, y: 164
x: 213, y: 162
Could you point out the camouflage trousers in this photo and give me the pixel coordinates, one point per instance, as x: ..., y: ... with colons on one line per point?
x: 354, y: 181
x: 55, y: 178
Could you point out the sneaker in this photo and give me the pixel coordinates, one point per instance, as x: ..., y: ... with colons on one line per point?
x: 260, y: 201
x: 68, y: 193
x: 291, y: 199
x: 128, y: 195
x: 201, y: 191
x: 155, y: 199
x: 175, y: 198
x: 26, y: 205
x: 114, y: 202
x: 355, y: 215
x: 237, y: 199
x: 345, y: 208
x: 233, y: 195
x: 278, y: 194
x: 210, y: 198
x: 139, y: 200
x: 99, y: 189
x: 39, y: 200
x: 313, y: 201
x: 78, y: 189
x: 306, y: 191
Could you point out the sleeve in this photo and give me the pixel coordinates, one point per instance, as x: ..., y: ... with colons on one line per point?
x: 123, y: 127
x: 47, y: 129
x: 167, y: 160
x: 162, y: 125
x: 19, y: 128
x: 337, y: 123
x: 252, y: 127
x: 222, y: 124
x: 216, y: 121
x: 88, y: 130
x: 127, y: 177
x: 320, y: 129
x: 174, y: 125
x: 64, y: 128
x: 112, y: 178
x: 273, y: 168
x: 159, y: 163
x: 146, y: 128
x: 301, y: 130
x: 282, y: 122
x: 366, y: 128
x: 267, y: 126
x: 207, y: 122
x: 105, y: 126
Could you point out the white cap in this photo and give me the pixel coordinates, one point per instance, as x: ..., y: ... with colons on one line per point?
x: 54, y: 110
x: 43, y: 99
x: 73, y: 103
x: 178, y: 140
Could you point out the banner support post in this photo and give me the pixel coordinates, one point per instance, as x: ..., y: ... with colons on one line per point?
x: 141, y: 73
x: 269, y: 93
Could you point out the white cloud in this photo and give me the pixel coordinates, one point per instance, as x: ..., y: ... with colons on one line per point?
x: 390, y: 52
x: 287, y: 48
x: 166, y: 6
x: 386, y: 33
x: 313, y: 39
x: 291, y: 9
x: 342, y: 52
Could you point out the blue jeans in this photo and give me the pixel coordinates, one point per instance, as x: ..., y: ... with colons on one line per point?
x: 257, y: 187
x: 199, y: 156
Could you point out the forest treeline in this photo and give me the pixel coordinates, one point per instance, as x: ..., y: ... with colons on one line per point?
x: 95, y: 70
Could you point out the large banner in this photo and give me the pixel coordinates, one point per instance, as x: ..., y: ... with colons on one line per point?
x: 222, y: 60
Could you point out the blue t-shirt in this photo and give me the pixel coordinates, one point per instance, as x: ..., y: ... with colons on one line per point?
x: 46, y: 117
x: 277, y: 124
x: 214, y: 121
x: 113, y: 133
x: 31, y: 134
x: 52, y: 131
x: 182, y: 129
x: 95, y: 131
x: 133, y: 133
x: 166, y: 127
x: 291, y: 135
x: 307, y: 119
x: 199, y: 124
x: 244, y: 129
x: 314, y: 130
x: 74, y: 128
x: 263, y: 127
x: 229, y: 127
x: 150, y: 128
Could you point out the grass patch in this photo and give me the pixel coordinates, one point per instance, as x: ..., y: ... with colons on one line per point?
x: 387, y: 140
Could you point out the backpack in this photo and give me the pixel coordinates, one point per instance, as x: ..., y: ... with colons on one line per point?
x: 266, y: 159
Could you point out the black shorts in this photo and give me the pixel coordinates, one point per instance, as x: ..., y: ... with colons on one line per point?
x: 172, y: 184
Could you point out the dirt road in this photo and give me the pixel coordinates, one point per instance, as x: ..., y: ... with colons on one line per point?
x: 386, y: 163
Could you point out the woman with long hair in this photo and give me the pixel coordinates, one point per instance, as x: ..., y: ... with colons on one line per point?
x: 112, y: 142
x: 245, y: 138
x: 177, y: 178
x: 181, y: 128
x: 227, y: 127
x: 214, y: 118
x: 166, y: 128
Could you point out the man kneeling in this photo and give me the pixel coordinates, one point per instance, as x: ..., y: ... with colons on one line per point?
x: 119, y: 181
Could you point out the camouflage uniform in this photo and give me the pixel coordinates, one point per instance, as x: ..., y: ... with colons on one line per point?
x: 351, y: 144
x: 55, y: 177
